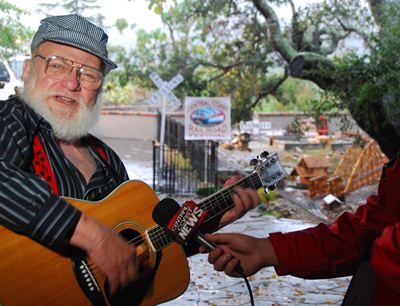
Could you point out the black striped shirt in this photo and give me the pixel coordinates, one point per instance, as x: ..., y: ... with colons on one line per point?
x: 27, y: 204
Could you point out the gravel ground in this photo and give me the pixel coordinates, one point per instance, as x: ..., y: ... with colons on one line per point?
x: 296, y: 204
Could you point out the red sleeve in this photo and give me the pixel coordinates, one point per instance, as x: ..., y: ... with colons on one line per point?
x: 336, y: 249
x: 385, y: 257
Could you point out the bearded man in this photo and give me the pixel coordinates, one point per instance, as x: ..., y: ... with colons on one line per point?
x: 46, y: 152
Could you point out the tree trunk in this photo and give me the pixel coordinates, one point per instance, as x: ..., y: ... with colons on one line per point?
x: 379, y: 128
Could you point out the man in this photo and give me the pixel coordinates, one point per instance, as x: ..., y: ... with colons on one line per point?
x: 365, y: 244
x: 46, y: 151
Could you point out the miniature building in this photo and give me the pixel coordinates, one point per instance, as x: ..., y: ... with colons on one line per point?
x: 358, y: 167
x: 309, y: 167
x: 239, y: 142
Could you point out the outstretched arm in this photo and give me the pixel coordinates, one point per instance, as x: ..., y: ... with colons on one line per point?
x: 251, y: 253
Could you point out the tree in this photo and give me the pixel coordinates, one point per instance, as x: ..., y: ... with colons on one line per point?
x: 242, y: 48
x: 80, y: 7
x: 12, y: 32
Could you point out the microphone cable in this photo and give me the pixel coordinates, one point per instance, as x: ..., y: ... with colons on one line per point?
x: 240, y: 271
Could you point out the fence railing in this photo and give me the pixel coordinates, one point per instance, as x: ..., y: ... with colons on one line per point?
x: 182, y: 167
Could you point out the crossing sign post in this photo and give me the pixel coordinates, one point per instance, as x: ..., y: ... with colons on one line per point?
x: 164, y: 94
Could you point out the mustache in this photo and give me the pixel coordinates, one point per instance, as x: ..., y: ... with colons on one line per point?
x: 54, y: 93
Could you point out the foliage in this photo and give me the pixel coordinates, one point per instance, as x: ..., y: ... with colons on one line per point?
x: 243, y: 49
x: 371, y: 82
x: 13, y: 33
x: 213, y: 61
x: 223, y: 48
x: 81, y: 7
x: 123, y: 95
x: 293, y: 95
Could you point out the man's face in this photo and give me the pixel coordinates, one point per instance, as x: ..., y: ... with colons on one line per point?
x: 69, y: 107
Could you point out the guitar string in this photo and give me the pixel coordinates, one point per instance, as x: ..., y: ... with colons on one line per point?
x: 243, y: 183
x: 159, y: 233
x: 221, y: 194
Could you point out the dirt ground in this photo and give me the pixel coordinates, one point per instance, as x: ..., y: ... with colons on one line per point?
x: 281, y: 207
x: 293, y: 202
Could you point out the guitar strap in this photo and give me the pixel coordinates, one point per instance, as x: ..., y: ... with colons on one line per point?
x: 41, y: 163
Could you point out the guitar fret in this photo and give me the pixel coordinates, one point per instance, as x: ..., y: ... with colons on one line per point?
x: 159, y: 237
x: 222, y: 200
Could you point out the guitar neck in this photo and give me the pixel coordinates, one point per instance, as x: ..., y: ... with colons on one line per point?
x: 215, y: 205
x: 221, y: 201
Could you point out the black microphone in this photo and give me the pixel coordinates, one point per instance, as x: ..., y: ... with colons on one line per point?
x: 182, y: 221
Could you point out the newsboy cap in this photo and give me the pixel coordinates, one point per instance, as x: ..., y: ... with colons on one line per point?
x: 75, y: 31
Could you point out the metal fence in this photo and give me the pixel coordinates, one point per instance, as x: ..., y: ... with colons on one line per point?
x: 183, y: 167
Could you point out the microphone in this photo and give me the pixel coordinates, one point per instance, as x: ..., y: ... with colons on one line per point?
x: 182, y: 221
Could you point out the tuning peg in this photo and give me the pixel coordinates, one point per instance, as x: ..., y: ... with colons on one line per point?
x: 253, y: 162
x: 264, y: 154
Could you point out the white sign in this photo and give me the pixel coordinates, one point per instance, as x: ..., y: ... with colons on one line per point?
x: 207, y: 118
x: 164, y: 94
x: 251, y: 126
x: 165, y: 89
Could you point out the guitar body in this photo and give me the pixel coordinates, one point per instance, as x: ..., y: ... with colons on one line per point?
x: 32, y: 275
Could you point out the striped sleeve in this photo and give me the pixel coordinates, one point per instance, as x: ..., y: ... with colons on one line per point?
x: 27, y: 204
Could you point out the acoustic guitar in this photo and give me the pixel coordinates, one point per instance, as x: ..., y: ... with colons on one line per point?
x: 32, y: 275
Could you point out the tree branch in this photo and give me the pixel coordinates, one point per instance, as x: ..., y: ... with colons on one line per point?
x: 313, y: 67
x: 270, y: 90
x: 282, y: 45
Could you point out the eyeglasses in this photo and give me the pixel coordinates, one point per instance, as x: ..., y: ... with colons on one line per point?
x: 58, y: 68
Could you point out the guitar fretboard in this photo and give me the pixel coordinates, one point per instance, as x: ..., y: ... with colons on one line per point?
x: 215, y: 205
x: 222, y: 200
x: 159, y: 237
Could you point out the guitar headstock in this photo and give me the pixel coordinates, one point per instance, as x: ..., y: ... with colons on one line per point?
x: 269, y: 169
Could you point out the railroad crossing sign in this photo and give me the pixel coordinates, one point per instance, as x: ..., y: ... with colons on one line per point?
x: 164, y: 94
x: 165, y: 89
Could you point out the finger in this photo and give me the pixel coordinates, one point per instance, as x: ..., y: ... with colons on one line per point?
x: 221, y: 262
x: 132, y: 264
x: 254, y: 197
x: 113, y: 284
x: 123, y: 277
x: 214, y: 255
x: 248, y: 197
x: 232, y: 180
x: 203, y: 249
x: 239, y: 208
x: 220, y: 239
x: 244, y: 200
x: 132, y: 271
x: 231, y: 267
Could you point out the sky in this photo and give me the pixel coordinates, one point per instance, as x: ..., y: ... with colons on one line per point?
x: 134, y: 11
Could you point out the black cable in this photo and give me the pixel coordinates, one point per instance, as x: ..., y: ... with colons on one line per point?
x: 240, y: 270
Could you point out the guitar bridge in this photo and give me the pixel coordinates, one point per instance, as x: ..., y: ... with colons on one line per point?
x: 87, y: 280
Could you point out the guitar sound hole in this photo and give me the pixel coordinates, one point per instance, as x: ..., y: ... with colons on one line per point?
x: 132, y: 236
x: 135, y: 292
x: 142, y: 251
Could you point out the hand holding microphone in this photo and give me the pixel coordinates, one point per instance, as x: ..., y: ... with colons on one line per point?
x: 183, y: 222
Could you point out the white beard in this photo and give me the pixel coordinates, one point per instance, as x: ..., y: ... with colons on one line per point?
x: 66, y: 127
